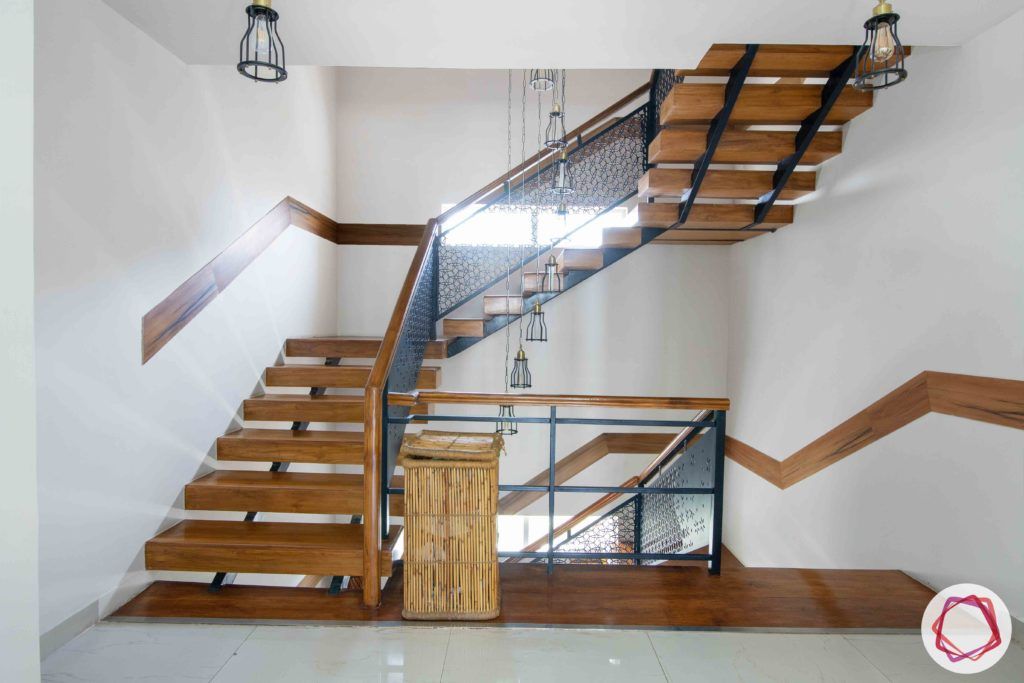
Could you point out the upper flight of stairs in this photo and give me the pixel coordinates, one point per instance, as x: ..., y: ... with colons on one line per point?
x: 784, y: 86
x: 289, y: 547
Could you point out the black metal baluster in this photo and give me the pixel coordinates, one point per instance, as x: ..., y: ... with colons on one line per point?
x: 716, y: 531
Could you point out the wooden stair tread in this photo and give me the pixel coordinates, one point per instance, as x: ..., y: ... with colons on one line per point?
x: 532, y: 281
x: 499, y: 304
x: 347, y: 376
x: 723, y: 184
x: 757, y: 104
x: 738, y: 146
x: 306, y: 408
x: 581, y: 259
x: 298, y: 492
x: 805, y: 61
x: 622, y: 238
x: 463, y: 327
x: 351, y: 347
x: 286, y: 445
x: 710, y: 216
x: 264, y: 547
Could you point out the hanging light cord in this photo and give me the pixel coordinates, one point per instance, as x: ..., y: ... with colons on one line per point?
x: 508, y: 196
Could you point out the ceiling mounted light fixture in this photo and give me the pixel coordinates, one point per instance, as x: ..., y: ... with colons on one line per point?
x: 542, y: 79
x: 880, y: 60
x: 261, y: 52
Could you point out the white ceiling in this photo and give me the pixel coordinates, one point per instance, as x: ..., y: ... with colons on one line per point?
x: 557, y: 33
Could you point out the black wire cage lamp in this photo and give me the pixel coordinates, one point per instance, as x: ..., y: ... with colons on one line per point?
x: 554, y: 135
x: 880, y: 60
x: 551, y: 282
x: 542, y: 79
x: 562, y: 182
x: 521, y: 378
x: 506, y: 422
x: 537, y: 329
x: 261, y: 51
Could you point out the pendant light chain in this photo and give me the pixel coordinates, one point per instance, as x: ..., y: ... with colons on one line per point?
x: 508, y: 190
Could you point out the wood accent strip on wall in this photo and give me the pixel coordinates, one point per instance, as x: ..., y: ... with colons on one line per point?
x: 986, y: 399
x: 181, y: 306
x: 378, y: 233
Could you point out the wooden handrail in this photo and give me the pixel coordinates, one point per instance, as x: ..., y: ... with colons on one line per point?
x: 472, y: 398
x: 373, y: 408
x: 374, y: 420
x: 572, y: 136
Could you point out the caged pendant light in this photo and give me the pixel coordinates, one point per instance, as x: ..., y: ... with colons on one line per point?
x: 506, y: 422
x: 537, y: 330
x: 880, y: 60
x: 521, y: 378
x: 562, y: 176
x: 552, y: 280
x: 261, y: 52
x: 542, y: 79
x: 554, y: 135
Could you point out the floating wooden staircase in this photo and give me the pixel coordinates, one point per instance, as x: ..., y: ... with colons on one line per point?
x: 286, y: 547
x: 748, y: 127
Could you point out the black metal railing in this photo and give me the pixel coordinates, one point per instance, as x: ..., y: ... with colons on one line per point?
x: 656, y: 524
x: 606, y: 169
x: 657, y: 538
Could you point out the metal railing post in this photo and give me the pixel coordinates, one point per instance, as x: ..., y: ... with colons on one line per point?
x: 385, y: 470
x: 551, y: 489
x: 716, y: 529
x: 638, y: 525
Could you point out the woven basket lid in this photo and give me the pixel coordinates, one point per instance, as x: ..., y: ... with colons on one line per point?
x: 433, y: 445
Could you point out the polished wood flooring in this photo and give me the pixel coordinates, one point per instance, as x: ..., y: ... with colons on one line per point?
x: 664, y: 596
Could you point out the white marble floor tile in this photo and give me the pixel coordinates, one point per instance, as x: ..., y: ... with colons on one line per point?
x: 903, y: 660
x: 338, y: 653
x: 791, y: 658
x: 161, y: 653
x: 485, y: 655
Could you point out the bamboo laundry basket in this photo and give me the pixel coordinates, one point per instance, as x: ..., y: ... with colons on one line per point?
x: 451, y: 528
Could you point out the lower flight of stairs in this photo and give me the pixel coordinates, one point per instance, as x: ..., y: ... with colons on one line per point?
x: 302, y: 548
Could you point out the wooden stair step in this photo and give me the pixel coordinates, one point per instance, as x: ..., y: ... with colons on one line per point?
x: 532, y: 282
x: 706, y: 237
x: 581, y: 259
x: 196, y: 545
x: 305, y: 408
x: 499, y: 304
x: 803, y: 61
x: 698, y: 103
x: 299, y: 492
x: 351, y: 347
x: 738, y: 146
x: 463, y: 327
x: 719, y: 184
x: 710, y: 216
x: 622, y: 238
x: 286, y: 445
x: 350, y: 376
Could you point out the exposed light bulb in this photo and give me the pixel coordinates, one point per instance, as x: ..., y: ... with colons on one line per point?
x: 262, y: 39
x: 885, y: 44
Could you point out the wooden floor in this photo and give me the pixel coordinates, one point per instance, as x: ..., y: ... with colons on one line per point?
x: 676, y: 596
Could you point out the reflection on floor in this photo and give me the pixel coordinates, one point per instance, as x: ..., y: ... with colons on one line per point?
x: 114, y: 652
x: 678, y: 596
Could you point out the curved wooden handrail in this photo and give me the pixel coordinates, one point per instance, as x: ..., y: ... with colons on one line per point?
x: 579, y: 400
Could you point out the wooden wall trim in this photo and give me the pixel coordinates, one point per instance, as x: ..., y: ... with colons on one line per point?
x: 180, y: 307
x: 986, y: 399
x: 379, y: 233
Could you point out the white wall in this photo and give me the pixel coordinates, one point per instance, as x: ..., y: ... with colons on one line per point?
x: 146, y: 169
x: 911, y: 259
x: 19, y: 579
